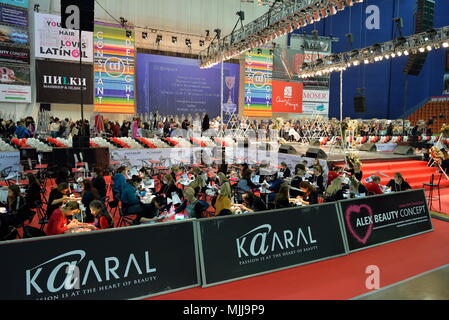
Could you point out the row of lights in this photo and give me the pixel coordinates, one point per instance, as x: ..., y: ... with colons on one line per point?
x: 174, y: 39
x: 299, y: 20
x: 319, y: 68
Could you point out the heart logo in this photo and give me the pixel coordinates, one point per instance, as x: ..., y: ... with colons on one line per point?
x: 357, y: 210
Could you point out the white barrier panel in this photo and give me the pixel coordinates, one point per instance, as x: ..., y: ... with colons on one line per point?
x: 10, y: 159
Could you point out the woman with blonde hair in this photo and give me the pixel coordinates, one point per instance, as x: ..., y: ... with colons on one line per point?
x: 224, y: 199
x: 192, y: 205
x: 169, y: 186
x: 334, y: 191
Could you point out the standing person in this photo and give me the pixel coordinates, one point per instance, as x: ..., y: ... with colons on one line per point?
x: 317, y: 178
x: 57, y: 198
x: 115, y: 129
x: 89, y: 194
x: 135, y: 128
x: 99, y: 183
x: 125, y: 129
x: 21, y: 131
x: 206, y: 123
x: 54, y: 128
x: 103, y: 219
x: 119, y: 181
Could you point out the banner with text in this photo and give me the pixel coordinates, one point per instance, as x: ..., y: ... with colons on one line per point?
x: 258, y: 84
x: 15, y: 83
x: 376, y: 220
x: 287, y: 97
x: 14, y: 16
x: 114, y: 69
x: 61, y: 82
x: 247, y: 245
x: 17, y: 3
x: 178, y: 86
x: 77, y: 268
x: 54, y: 42
x: 316, y: 102
x: 10, y: 53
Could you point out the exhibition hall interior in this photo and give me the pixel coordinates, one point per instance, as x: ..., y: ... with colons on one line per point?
x: 262, y: 150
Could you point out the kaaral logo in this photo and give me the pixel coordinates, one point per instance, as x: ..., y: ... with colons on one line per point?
x: 288, y: 92
x: 64, y: 272
x: 261, y: 241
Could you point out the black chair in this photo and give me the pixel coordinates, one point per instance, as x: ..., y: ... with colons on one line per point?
x: 125, y: 217
x: 432, y: 186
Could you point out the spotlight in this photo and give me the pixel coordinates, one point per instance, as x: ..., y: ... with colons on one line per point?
x: 36, y: 7
x: 201, y: 43
x: 429, y: 48
x: 422, y: 50
x: 406, y: 53
x: 144, y: 35
x: 399, y: 53
x: 437, y: 46
x: 129, y: 33
x: 332, y: 9
x: 158, y: 38
x: 387, y: 56
x: 218, y: 33
x: 445, y: 44
x: 366, y: 61
x: 174, y: 39
x: 393, y: 55
x: 340, y: 5
x: 188, y: 43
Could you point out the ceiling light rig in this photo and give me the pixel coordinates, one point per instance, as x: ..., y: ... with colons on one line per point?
x: 282, y: 18
x: 415, y: 44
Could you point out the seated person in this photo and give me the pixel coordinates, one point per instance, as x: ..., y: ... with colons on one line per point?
x: 357, y: 187
x: 89, y: 194
x: 310, y: 196
x: 285, y: 170
x: 373, y: 187
x: 398, y: 184
x: 300, y: 171
x: 59, y: 223
x: 103, y: 219
x: 57, y: 198
x: 356, y: 170
x: 131, y: 204
x: 192, y: 205
x: 199, y: 184
x: 152, y: 211
x: 251, y: 203
x: 317, y: 178
x: 282, y: 199
x: 274, y: 185
x: 119, y: 181
x: 245, y: 184
x: 169, y: 186
x: 335, y: 192
x: 224, y: 201
x: 16, y: 207
x: 334, y: 172
x: 33, y: 193
x: 99, y: 183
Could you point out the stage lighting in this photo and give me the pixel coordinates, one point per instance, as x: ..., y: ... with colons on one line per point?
x: 340, y: 5
x: 387, y: 56
x: 366, y: 61
x: 349, y: 3
x: 445, y: 44
x: 422, y: 50
x: 429, y: 48
x: 393, y: 55
x: 188, y: 43
x: 332, y: 9
x: 406, y: 53
x: 399, y: 53
x: 354, y: 54
x: 144, y: 35
x: 129, y: 33
x: 356, y: 63
x: 174, y: 39
x: 158, y: 38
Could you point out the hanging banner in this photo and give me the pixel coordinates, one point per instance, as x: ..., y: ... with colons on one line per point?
x: 78, y: 14
x: 241, y: 246
x: 9, y: 53
x: 287, y: 97
x: 316, y: 102
x: 60, y: 82
x: 114, y: 69
x: 54, y: 42
x: 132, y: 265
x: 13, y: 35
x: 380, y: 219
x: 15, y: 83
x: 258, y: 84
x: 15, y: 16
x: 17, y: 3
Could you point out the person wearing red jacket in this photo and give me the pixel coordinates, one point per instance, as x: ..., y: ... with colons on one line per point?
x: 59, y: 223
x: 102, y: 216
x: 373, y: 187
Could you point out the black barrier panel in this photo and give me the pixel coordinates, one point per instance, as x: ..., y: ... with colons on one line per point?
x: 237, y: 247
x: 120, y: 264
x: 376, y: 220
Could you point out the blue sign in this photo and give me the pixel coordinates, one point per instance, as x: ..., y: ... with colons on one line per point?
x: 178, y: 86
x: 17, y: 3
x: 14, y: 16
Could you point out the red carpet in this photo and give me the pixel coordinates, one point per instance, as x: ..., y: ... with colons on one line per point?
x: 342, y: 278
x: 444, y: 202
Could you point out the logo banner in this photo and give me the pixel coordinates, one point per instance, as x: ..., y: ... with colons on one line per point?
x: 376, y: 220
x: 114, y: 69
x: 14, y: 16
x: 60, y: 82
x: 54, y: 42
x: 247, y: 245
x: 14, y: 54
x: 258, y: 84
x: 131, y: 263
x: 17, y: 3
x: 287, y: 97
x: 78, y: 14
x: 15, y: 83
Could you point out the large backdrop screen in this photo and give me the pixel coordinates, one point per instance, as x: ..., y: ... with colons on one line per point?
x: 178, y: 86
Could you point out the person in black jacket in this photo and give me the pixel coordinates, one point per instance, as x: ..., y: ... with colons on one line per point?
x: 89, y: 194
x: 398, y: 184
x: 285, y: 170
x: 33, y: 193
x: 16, y: 207
x: 99, y: 183
x: 206, y: 123
x: 300, y: 171
x: 57, y: 198
x: 317, y: 178
x: 310, y: 196
x: 282, y: 199
x: 251, y: 203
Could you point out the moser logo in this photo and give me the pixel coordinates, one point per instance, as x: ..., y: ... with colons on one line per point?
x: 65, y: 81
x: 262, y: 241
x: 316, y: 95
x: 64, y: 272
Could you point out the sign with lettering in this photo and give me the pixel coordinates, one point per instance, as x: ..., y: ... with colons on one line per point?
x: 287, y: 97
x: 114, y: 69
x: 54, y: 42
x: 10, y: 53
x: 61, y: 82
x: 241, y: 246
x: 78, y: 14
x: 14, y: 16
x: 78, y: 268
x: 15, y: 82
x: 376, y: 220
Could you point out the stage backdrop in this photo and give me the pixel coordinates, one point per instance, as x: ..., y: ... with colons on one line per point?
x: 258, y: 84
x: 178, y: 86
x: 53, y: 42
x: 114, y: 69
